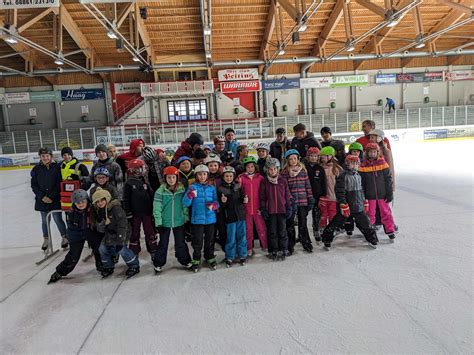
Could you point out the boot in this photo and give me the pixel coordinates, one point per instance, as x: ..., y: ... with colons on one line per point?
x: 106, y: 272
x: 308, y: 247
x: 242, y: 261
x: 195, y: 265
x: 54, y: 278
x: 275, y: 256
x: 64, y: 242
x: 228, y: 263
x: 317, y: 237
x: 45, y: 244
x: 158, y: 270
x: 115, y: 259
x: 132, y: 271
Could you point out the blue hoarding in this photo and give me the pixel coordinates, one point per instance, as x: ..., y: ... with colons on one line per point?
x: 82, y: 94
x: 281, y: 84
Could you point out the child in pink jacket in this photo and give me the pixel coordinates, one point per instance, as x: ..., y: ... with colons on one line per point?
x: 251, y: 181
x: 327, y: 203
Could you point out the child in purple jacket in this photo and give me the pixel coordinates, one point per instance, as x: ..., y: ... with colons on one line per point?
x: 276, y: 207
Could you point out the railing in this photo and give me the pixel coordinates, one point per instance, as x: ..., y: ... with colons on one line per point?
x: 126, y: 107
x: 174, y: 133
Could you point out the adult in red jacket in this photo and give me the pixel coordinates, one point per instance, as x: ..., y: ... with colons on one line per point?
x: 367, y: 127
x: 135, y: 151
x: 188, y: 147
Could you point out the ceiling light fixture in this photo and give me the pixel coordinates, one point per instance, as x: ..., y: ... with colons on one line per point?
x: 11, y: 40
x: 207, y: 31
x: 111, y: 34
x: 303, y: 27
x: 420, y: 45
x: 350, y: 45
x: 208, y: 55
x: 135, y: 59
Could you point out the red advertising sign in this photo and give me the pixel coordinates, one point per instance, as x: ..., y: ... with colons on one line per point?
x: 240, y: 86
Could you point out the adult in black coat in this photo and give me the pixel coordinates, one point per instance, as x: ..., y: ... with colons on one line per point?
x: 338, y: 145
x: 303, y: 140
x: 280, y: 146
x: 46, y: 185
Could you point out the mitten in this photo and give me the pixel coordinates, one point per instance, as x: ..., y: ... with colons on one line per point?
x: 366, y: 206
x: 191, y: 193
x: 345, y: 210
x: 212, y: 206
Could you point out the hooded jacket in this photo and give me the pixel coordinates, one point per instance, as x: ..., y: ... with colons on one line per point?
x: 116, y: 176
x: 349, y: 190
x: 232, y: 146
x: 78, y: 223
x: 184, y: 149
x: 251, y: 187
x: 233, y: 209
x: 206, y: 194
x: 45, y: 181
x: 111, y: 221
x: 376, y: 179
x: 131, y: 154
x: 137, y: 197
x: 275, y: 198
x: 73, y: 170
x: 302, y: 145
x: 168, y: 208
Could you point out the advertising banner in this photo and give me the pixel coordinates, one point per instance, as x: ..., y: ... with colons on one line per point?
x: 240, y: 86
x: 420, y: 77
x: 45, y: 96
x: 459, y: 75
x: 350, y: 80
x: 435, y: 134
x: 127, y: 88
x: 281, y: 84
x: 82, y: 94
x: 316, y: 83
x: 17, y: 98
x: 238, y: 74
x: 383, y: 79
x: 27, y: 4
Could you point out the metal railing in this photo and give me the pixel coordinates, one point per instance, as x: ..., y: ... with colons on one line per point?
x: 174, y: 133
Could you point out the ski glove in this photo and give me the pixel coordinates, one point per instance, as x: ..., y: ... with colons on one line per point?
x: 212, y: 206
x: 366, y: 206
x: 265, y: 214
x: 191, y: 193
x: 389, y: 198
x: 345, y: 210
x: 311, y: 204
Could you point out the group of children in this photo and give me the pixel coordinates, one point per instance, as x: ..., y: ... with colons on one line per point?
x: 210, y: 201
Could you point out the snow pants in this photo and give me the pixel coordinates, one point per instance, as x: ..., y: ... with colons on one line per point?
x: 236, y: 240
x: 203, y: 234
x: 328, y: 211
x: 316, y: 216
x: 361, y: 221
x: 277, y: 236
x: 107, y: 251
x: 180, y: 247
x: 302, y: 214
x: 385, y: 214
x: 259, y: 223
x: 150, y: 238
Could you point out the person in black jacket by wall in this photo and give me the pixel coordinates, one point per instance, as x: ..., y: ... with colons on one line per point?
x: 338, y: 145
x: 303, y: 140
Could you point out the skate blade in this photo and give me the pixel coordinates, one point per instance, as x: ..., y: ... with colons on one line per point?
x: 326, y: 248
x: 372, y: 246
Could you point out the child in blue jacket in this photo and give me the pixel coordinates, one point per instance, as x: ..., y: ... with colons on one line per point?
x: 202, y: 197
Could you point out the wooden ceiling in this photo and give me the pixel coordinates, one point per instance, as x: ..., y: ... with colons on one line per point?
x: 241, y: 29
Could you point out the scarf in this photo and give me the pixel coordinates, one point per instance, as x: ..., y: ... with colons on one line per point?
x: 272, y: 180
x: 294, y: 171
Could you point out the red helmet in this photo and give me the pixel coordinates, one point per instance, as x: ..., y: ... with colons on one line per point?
x: 372, y: 146
x: 135, y: 164
x: 352, y: 158
x: 171, y: 170
x: 312, y: 150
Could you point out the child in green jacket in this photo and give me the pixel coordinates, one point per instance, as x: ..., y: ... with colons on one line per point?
x: 170, y: 213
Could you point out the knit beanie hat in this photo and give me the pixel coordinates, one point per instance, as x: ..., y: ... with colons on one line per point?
x: 195, y: 138
x: 99, y: 194
x: 67, y: 150
x: 101, y: 148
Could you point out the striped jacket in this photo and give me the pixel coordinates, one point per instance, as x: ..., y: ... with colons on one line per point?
x: 300, y: 187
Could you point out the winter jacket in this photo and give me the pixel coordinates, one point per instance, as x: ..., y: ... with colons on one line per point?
x: 300, y: 188
x: 186, y: 179
x: 109, y: 187
x: 200, y: 213
x: 184, y: 149
x: 155, y: 172
x: 116, y: 176
x: 339, y: 147
x: 349, y: 191
x: 137, y: 197
x: 78, y: 223
x: 46, y: 181
x: 275, y: 198
x: 261, y: 166
x: 232, y: 146
x: 278, y: 150
x: 214, y: 180
x: 376, y: 179
x: 123, y: 159
x: 233, y: 209
x: 238, y: 166
x: 317, y: 179
x: 111, y: 221
x: 330, y: 181
x: 251, y: 187
x: 302, y: 145
x: 365, y: 139
x: 168, y: 208
x: 73, y: 170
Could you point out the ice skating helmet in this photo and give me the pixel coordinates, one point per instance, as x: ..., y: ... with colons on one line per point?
x: 263, y: 146
x: 201, y: 168
x: 313, y: 150
x: 45, y: 150
x: 181, y: 159
x: 212, y: 158
x: 356, y: 146
x: 379, y: 133
x: 218, y: 139
x: 102, y: 171
x: 228, y: 169
x: 136, y: 167
x: 328, y: 151
x: 79, y: 196
x: 352, y: 162
x: 292, y: 152
x: 272, y: 163
x: 170, y: 170
x: 248, y: 160
x: 372, y: 146
x: 149, y: 154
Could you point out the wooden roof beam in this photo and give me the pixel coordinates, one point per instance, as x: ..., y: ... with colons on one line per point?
x: 269, y: 29
x: 458, y: 6
x: 145, y: 37
x: 378, y: 10
x: 124, y: 14
x: 35, y: 17
x: 328, y: 29
x: 289, y: 8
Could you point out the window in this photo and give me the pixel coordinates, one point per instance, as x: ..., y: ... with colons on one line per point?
x: 187, y: 110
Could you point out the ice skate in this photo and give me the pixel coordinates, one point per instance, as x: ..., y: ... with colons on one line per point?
x: 115, y: 259
x: 212, y: 264
x: 64, y: 242
x: 373, y: 245
x: 106, y: 272
x: 392, y: 237
x: 132, y: 271
x: 242, y: 261
x: 317, y: 237
x: 228, y: 263
x: 281, y: 256
x: 308, y: 248
x: 54, y: 278
x: 188, y: 266
x: 327, y: 246
x: 44, y: 246
x: 158, y: 270
x: 274, y: 256
x: 349, y: 234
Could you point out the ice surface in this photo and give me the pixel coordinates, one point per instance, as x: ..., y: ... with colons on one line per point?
x: 413, y: 296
